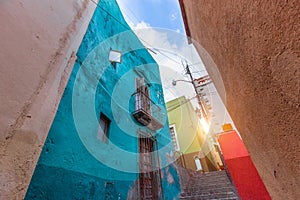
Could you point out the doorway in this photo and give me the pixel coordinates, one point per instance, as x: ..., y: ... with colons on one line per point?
x: 149, y: 176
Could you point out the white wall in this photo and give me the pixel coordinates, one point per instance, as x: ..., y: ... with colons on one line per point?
x: 39, y: 40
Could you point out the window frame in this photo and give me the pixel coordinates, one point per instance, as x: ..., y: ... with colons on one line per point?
x: 142, y: 98
x: 173, y: 126
x: 112, y: 58
x: 105, y: 135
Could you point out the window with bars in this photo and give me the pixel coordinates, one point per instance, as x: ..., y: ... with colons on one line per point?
x: 174, y: 137
x: 142, y: 97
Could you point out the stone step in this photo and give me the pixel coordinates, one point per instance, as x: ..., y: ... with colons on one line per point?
x: 210, y: 190
x: 210, y: 196
x: 204, y: 186
x: 205, y: 192
x: 196, y: 183
x: 208, y: 186
x: 207, y: 177
x: 201, y: 178
x: 206, y: 181
x: 209, y: 174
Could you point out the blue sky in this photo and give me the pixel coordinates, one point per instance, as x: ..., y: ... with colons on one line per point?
x: 146, y: 18
x: 155, y: 13
x: 150, y: 19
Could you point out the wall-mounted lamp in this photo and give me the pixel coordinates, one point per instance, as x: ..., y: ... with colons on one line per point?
x: 115, y: 56
x: 175, y: 81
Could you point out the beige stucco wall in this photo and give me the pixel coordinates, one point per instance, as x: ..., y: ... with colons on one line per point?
x: 255, y: 45
x: 39, y: 40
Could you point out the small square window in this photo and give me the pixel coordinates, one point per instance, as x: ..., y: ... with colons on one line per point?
x: 103, y: 128
x: 115, y: 56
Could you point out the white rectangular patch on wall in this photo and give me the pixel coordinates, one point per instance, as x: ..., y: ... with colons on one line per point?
x: 115, y: 56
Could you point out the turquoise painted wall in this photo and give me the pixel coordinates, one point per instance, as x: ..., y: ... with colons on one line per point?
x: 74, y: 164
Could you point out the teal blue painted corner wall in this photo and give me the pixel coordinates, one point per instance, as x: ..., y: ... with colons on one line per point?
x: 74, y: 164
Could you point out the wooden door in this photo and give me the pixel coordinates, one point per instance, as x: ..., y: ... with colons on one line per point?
x: 148, y: 181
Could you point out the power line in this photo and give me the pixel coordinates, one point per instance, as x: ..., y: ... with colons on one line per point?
x: 180, y: 104
x: 128, y: 8
x: 137, y: 20
x: 163, y: 53
x: 127, y: 26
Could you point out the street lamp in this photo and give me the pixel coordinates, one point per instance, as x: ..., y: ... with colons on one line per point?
x: 198, y: 93
x: 175, y: 81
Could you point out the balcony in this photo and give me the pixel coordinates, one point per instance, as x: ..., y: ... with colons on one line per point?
x: 146, y: 112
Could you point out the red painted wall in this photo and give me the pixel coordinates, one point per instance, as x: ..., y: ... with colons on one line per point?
x: 241, y: 168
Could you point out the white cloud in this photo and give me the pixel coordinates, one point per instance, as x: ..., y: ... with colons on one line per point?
x: 128, y: 14
x: 170, y: 47
x: 141, y: 25
x: 169, y: 56
x: 173, y: 16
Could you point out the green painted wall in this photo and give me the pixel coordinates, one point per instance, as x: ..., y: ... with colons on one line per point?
x: 188, y: 128
x: 191, y: 136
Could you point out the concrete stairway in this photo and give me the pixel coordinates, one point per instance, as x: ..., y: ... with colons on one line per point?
x: 208, y: 186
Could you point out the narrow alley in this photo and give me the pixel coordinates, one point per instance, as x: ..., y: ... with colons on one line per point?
x: 149, y: 100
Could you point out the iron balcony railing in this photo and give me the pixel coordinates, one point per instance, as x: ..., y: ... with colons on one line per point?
x: 147, y: 112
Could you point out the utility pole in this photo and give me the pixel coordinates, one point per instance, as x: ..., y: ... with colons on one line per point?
x: 203, y: 110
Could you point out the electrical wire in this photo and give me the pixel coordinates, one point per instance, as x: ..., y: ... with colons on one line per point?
x: 180, y: 104
x: 127, y: 26
x: 137, y: 20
